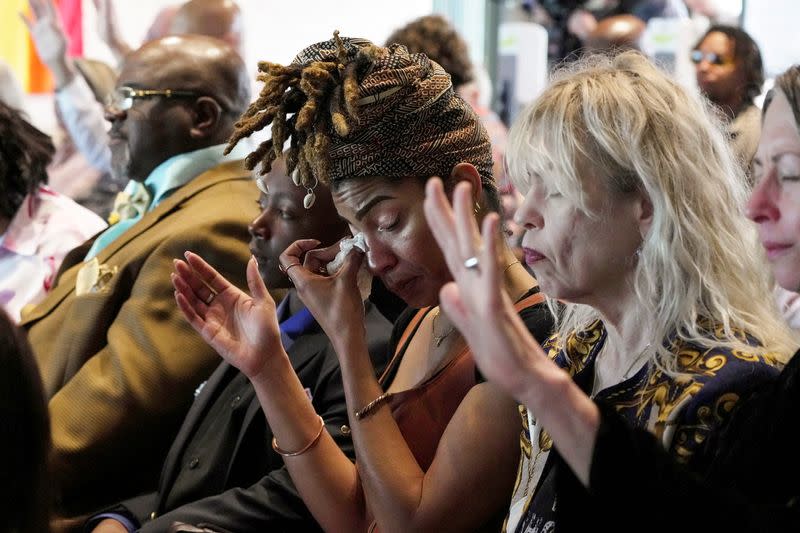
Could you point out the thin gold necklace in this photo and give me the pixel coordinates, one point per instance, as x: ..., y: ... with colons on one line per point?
x: 438, y: 339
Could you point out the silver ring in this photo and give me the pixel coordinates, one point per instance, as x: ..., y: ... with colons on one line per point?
x: 285, y: 269
x: 471, y: 263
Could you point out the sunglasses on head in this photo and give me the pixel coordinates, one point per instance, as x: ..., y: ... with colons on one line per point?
x: 697, y: 57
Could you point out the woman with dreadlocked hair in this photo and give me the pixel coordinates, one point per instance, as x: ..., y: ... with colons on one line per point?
x: 37, y: 225
x: 375, y: 124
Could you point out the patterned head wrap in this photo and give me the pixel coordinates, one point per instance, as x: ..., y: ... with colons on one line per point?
x: 362, y: 110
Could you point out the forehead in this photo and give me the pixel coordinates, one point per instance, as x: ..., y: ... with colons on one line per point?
x: 779, y: 123
x: 718, y: 42
x: 157, y: 65
x: 279, y: 184
x: 141, y: 72
x: 354, y: 194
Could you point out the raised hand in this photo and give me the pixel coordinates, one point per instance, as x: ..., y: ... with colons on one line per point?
x: 476, y: 301
x: 108, y: 28
x: 50, y: 40
x: 333, y: 299
x: 243, y: 329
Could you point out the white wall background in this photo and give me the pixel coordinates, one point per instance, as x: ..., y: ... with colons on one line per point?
x: 773, y: 25
x: 276, y: 30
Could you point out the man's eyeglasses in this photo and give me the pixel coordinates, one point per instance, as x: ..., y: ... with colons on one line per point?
x: 122, y: 98
x: 697, y: 57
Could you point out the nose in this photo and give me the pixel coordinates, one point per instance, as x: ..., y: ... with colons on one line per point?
x: 762, y: 205
x: 112, y: 114
x: 259, y: 228
x: 529, y: 214
x: 380, y: 258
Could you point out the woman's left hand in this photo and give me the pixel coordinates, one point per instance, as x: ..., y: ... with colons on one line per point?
x: 334, y: 299
x: 477, y: 302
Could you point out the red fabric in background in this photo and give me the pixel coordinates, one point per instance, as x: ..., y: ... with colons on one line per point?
x: 72, y: 17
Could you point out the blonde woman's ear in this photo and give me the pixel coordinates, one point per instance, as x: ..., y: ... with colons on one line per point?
x: 645, y: 214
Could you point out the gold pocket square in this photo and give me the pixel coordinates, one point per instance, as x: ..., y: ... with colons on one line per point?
x: 93, y: 277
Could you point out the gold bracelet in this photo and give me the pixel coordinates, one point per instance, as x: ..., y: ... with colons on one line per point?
x: 307, y: 447
x: 371, y: 406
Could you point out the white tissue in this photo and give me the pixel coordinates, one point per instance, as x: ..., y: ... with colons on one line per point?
x: 364, y: 278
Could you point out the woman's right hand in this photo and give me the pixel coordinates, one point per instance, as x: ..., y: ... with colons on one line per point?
x: 476, y: 301
x: 243, y: 329
x: 333, y: 298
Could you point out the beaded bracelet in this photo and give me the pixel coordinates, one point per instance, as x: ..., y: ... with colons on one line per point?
x: 371, y: 406
x: 307, y: 447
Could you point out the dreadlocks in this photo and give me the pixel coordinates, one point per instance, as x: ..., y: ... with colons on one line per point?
x: 25, y: 153
x: 351, y: 109
x: 303, y: 91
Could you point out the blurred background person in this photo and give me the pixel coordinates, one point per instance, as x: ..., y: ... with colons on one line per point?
x: 70, y: 172
x: 109, y: 31
x: 571, y: 23
x: 10, y: 89
x: 38, y: 226
x: 615, y: 34
x: 730, y: 73
x: 221, y: 19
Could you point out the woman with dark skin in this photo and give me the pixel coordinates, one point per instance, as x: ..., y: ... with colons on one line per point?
x: 730, y: 74
x: 375, y: 123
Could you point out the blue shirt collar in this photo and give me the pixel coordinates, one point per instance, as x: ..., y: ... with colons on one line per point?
x: 293, y: 326
x: 180, y: 169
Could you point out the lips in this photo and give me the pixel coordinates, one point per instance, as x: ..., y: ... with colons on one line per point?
x: 401, y: 288
x: 115, y: 136
x: 775, y: 249
x: 532, y: 256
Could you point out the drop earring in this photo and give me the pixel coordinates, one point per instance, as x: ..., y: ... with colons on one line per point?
x: 310, y: 197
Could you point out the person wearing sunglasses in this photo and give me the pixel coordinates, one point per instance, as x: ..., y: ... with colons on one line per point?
x: 730, y: 74
x: 118, y: 361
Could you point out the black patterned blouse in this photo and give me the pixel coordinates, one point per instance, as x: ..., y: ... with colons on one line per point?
x: 681, y: 411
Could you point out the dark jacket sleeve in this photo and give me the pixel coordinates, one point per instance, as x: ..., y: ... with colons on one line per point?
x: 273, y: 503
x: 636, y: 485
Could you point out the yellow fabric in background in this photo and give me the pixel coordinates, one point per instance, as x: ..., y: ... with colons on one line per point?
x: 17, y: 49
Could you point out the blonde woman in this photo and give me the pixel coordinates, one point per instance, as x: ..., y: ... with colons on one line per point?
x: 633, y: 211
